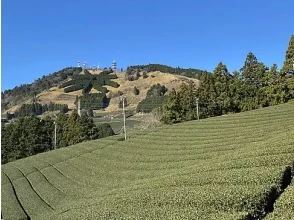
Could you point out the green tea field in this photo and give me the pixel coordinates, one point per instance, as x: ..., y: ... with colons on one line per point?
x: 229, y: 167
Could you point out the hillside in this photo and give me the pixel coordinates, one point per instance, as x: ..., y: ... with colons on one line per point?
x: 57, y: 95
x: 227, y: 167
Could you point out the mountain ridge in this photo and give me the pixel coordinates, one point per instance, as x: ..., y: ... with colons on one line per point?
x: 45, y: 90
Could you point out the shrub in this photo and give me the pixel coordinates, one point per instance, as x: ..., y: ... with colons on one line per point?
x: 68, y: 83
x: 104, y: 130
x: 150, y: 103
x: 111, y: 83
x: 145, y: 75
x: 73, y: 88
x: 136, y: 91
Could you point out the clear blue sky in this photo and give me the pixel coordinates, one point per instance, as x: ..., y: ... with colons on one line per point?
x: 40, y: 37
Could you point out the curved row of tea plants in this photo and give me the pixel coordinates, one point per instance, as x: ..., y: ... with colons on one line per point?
x: 219, y: 168
x: 284, y: 207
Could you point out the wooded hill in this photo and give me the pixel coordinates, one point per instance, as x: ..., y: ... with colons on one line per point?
x: 64, y: 86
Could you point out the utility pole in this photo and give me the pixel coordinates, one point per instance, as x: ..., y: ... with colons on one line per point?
x: 124, y: 113
x: 125, y: 130
x: 55, y: 131
x: 197, y: 108
x: 79, y: 107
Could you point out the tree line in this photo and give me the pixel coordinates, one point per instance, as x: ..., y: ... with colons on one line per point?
x: 254, y: 86
x: 192, y: 73
x: 32, y: 135
x: 38, y: 109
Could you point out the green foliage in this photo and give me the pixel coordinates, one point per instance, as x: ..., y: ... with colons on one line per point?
x: 145, y: 75
x: 180, y: 106
x: 219, y: 168
x: 100, y: 88
x: 154, y: 99
x: 136, y: 91
x: 87, y: 88
x: 94, y: 101
x: 39, y: 109
x: 255, y: 86
x: 67, y: 83
x: 25, y: 91
x: 75, y: 129
x: 104, y: 130
x: 150, y: 103
x: 192, y: 73
x: 73, y: 88
x: 289, y: 57
x: 112, y: 83
x: 156, y: 90
x: 26, y: 137
x: 283, y: 208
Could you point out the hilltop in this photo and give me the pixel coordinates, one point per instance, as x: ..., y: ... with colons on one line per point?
x: 227, y: 167
x: 47, y: 89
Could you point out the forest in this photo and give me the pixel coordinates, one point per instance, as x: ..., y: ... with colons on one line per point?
x: 192, y: 73
x: 254, y: 86
x: 31, y: 135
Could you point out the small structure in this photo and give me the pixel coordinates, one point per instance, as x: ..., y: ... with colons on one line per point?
x: 114, y: 66
x: 79, y: 65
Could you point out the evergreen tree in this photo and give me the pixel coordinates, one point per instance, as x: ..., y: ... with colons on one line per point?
x: 187, y: 95
x: 223, y: 98
x: 61, y: 130
x: 73, y: 129
x: 252, y: 74
x: 236, y: 92
x: 171, y: 109
x: 288, y: 67
x: 275, y: 90
x: 289, y: 58
x: 206, y: 94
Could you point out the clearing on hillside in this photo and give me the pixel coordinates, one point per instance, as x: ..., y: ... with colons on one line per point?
x: 227, y: 167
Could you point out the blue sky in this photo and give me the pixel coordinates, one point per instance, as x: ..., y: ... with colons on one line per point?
x: 41, y: 37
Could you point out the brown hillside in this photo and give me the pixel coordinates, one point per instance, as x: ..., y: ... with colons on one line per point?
x: 57, y: 95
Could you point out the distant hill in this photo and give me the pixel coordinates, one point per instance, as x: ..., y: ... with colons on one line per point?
x: 62, y: 88
x: 24, y: 92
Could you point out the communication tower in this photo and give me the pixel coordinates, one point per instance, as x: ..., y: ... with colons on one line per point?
x: 79, y: 65
x: 114, y: 66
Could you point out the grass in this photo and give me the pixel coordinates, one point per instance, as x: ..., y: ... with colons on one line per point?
x: 219, y: 168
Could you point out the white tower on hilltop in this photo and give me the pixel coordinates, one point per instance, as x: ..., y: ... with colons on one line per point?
x: 84, y: 65
x: 98, y: 66
x: 79, y: 65
x: 114, y: 66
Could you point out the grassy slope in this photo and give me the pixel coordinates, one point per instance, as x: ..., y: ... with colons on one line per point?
x: 57, y: 95
x: 217, y: 168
